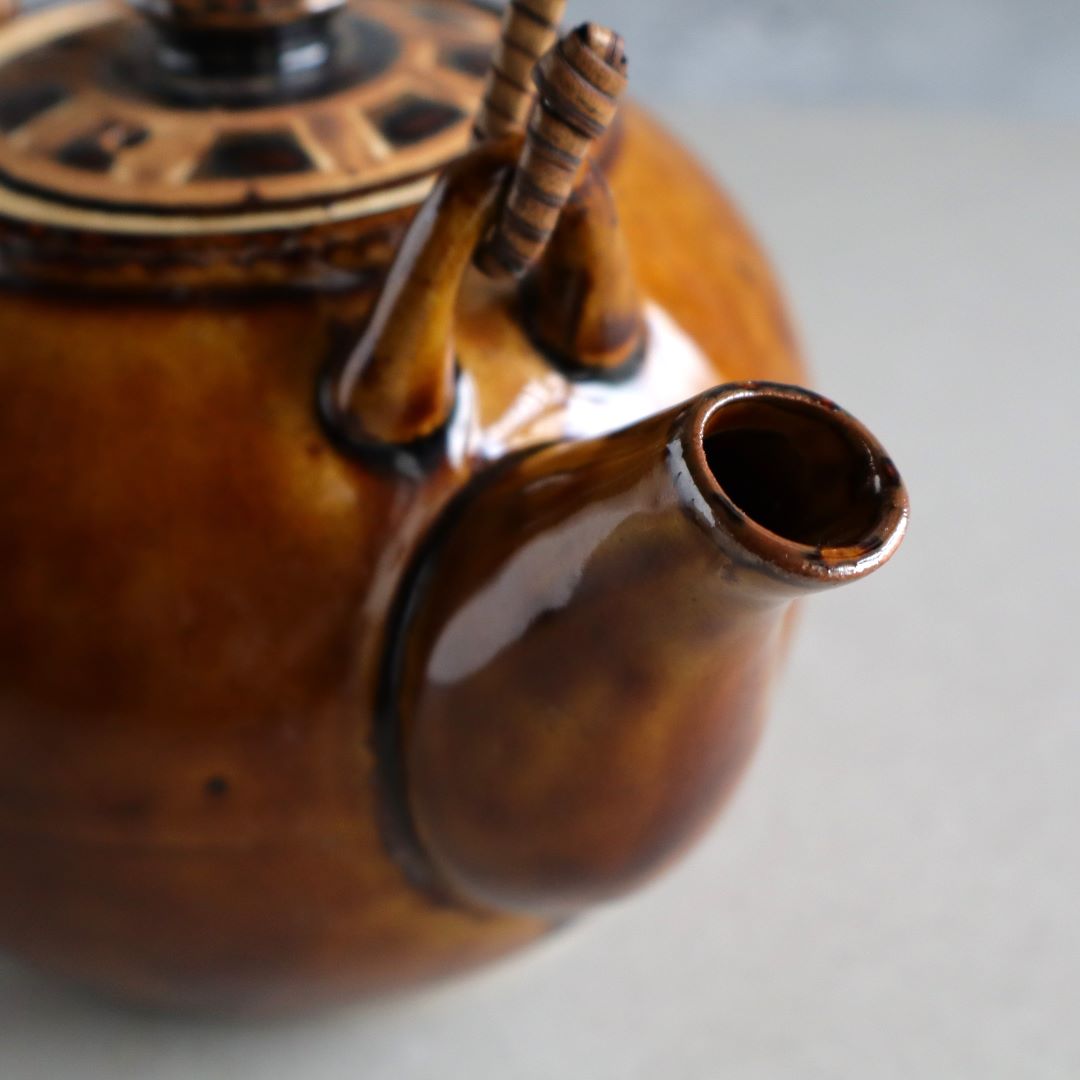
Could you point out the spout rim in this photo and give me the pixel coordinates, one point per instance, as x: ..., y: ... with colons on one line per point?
x: 749, y: 540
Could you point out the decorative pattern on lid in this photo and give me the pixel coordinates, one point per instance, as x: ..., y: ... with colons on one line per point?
x: 80, y: 134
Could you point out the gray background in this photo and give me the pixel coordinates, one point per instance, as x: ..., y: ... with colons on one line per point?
x: 1013, y: 57
x: 894, y: 892
x: 1020, y: 57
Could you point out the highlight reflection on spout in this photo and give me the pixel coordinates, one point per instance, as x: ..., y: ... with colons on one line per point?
x: 585, y: 647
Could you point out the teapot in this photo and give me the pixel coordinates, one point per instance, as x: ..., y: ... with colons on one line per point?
x: 405, y: 482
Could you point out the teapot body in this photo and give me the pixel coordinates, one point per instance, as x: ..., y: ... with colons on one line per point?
x: 196, y: 591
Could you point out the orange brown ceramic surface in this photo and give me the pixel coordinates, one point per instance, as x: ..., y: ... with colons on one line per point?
x: 232, y: 652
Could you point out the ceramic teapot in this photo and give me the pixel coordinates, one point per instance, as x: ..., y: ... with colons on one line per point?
x: 403, y: 492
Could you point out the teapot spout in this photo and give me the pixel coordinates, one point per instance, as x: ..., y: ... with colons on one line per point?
x: 585, y: 645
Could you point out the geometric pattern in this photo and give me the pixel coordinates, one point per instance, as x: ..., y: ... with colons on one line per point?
x: 70, y: 136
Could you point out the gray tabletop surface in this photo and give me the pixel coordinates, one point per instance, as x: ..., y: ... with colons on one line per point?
x: 895, y: 892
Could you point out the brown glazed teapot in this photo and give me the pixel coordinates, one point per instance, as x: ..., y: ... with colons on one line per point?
x: 397, y: 542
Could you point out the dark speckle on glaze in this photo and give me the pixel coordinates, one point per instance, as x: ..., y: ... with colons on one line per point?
x: 216, y: 787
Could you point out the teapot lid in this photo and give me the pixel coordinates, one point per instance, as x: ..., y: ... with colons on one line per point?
x: 204, y: 117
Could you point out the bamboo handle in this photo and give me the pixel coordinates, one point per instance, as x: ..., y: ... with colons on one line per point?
x: 579, y: 82
x: 529, y: 29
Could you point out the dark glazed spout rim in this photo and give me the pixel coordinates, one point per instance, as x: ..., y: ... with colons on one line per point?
x: 750, y: 541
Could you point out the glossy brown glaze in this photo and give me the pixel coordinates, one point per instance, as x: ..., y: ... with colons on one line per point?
x: 196, y: 582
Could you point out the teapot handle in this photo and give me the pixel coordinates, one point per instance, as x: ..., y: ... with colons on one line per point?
x: 501, y: 204
x: 580, y: 82
x: 529, y: 29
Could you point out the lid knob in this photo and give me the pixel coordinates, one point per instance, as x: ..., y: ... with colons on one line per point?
x: 246, y: 53
x: 254, y: 15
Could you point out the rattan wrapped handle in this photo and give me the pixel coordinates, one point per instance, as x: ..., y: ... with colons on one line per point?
x: 529, y: 29
x: 580, y: 82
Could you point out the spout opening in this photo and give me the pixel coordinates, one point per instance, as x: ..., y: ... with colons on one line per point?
x: 802, y: 485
